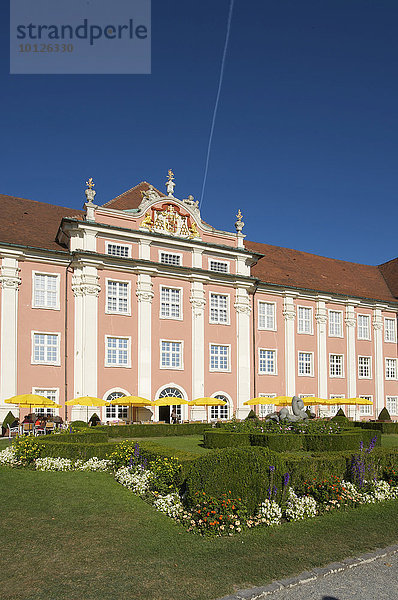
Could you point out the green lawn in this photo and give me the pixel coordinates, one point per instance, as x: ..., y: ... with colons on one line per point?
x: 82, y: 536
x: 188, y: 443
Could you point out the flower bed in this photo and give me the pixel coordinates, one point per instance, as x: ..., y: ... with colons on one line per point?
x: 158, y: 481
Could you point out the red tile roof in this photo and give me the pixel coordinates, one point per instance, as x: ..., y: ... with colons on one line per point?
x: 32, y: 223
x: 130, y: 199
x: 283, y: 266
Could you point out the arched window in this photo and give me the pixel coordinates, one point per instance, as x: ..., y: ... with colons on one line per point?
x: 173, y: 393
x: 115, y: 411
x: 220, y: 412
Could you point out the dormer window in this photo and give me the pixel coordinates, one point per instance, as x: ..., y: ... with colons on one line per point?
x: 120, y: 250
x: 219, y: 266
x: 168, y: 258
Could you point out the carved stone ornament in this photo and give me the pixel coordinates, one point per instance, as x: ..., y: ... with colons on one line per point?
x: 85, y: 285
x: 239, y: 224
x: 377, y: 323
x: 321, y: 317
x: 350, y: 321
x: 90, y: 192
x: 144, y: 291
x: 169, y: 220
x: 198, y: 305
x: 170, y: 185
x: 8, y: 282
x: 150, y: 194
x: 243, y: 308
x: 289, y: 314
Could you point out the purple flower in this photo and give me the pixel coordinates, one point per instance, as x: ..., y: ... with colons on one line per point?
x: 136, y: 450
x: 272, y: 468
x: 286, y: 479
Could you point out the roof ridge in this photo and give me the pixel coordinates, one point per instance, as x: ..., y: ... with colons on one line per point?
x: 80, y: 211
x: 128, y: 191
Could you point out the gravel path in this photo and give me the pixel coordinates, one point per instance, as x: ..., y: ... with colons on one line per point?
x: 373, y: 576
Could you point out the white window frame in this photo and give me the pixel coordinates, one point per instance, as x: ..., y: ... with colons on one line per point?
x: 217, y: 321
x: 217, y: 261
x: 311, y: 374
x: 58, y: 286
x: 301, y: 322
x: 171, y: 287
x: 270, y: 407
x: 118, y: 365
x: 361, y: 337
x: 55, y: 363
x: 394, y: 399
x: 227, y: 406
x: 275, y: 361
x: 181, y: 353
x: 342, y: 366
x: 49, y: 410
x: 265, y: 316
x: 340, y: 312
x: 173, y: 254
x: 126, y: 313
x: 334, y: 408
x: 218, y: 370
x: 370, y: 367
x: 121, y: 244
x: 366, y: 410
x: 395, y: 369
x: 386, y: 330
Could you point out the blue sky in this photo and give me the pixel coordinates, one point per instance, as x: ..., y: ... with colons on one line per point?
x: 306, y: 137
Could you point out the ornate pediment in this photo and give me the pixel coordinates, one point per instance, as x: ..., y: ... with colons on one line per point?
x: 170, y: 219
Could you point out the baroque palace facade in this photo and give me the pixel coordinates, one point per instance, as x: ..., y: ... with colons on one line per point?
x: 140, y: 296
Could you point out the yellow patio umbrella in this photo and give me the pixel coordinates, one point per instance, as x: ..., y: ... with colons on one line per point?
x: 87, y: 401
x: 207, y: 402
x: 32, y: 400
x: 132, y: 401
x: 362, y: 401
x: 313, y: 401
x: 260, y: 400
x: 170, y: 401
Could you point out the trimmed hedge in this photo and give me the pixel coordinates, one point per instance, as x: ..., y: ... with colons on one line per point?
x: 87, y: 437
x: 239, y: 472
x: 391, y: 427
x: 158, y: 430
x: 285, y: 442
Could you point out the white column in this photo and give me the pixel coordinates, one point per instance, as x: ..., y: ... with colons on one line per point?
x: 9, y: 281
x: 321, y: 323
x: 379, y: 360
x: 86, y: 288
x: 350, y: 322
x: 290, y: 359
x: 144, y: 294
x: 243, y: 329
x: 198, y: 302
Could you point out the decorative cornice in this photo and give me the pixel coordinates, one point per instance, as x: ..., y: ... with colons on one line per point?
x: 377, y: 323
x: 289, y: 313
x: 9, y: 278
x: 85, y: 285
x: 144, y: 291
x: 321, y: 316
x: 350, y: 321
x: 242, y: 307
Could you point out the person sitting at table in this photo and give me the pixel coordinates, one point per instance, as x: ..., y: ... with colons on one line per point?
x: 27, y: 419
x: 15, y: 423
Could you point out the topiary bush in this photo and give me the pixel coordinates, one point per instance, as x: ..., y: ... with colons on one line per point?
x: 7, y: 421
x: 79, y: 424
x: 94, y: 420
x: 247, y: 473
x: 384, y: 415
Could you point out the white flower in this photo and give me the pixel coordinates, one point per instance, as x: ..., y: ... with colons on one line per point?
x: 299, y: 508
x: 270, y: 512
x: 171, y: 505
x: 8, y: 457
x: 53, y: 464
x: 93, y: 464
x: 138, y: 481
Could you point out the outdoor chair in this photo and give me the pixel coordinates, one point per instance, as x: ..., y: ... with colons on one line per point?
x: 13, y: 431
x: 50, y: 427
x: 27, y: 428
x: 40, y: 431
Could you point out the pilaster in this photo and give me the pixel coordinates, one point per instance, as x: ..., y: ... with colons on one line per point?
x: 290, y: 359
x: 243, y: 309
x: 321, y: 324
x: 350, y: 321
x: 9, y: 282
x: 144, y: 294
x: 198, y: 303
x: 379, y: 360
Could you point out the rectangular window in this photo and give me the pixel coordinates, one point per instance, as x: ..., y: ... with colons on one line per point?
x: 218, y: 266
x: 366, y: 409
x: 117, y: 297
x: 267, y: 361
x: 171, y: 355
x: 305, y: 363
x: 170, y: 303
x: 364, y: 367
x: 118, y: 250
x: 117, y: 352
x: 219, y: 358
x: 51, y: 395
x: 336, y: 365
x: 334, y: 408
x: 392, y: 404
x: 390, y: 330
x: 363, y: 327
x: 46, y: 348
x: 304, y: 322
x: 218, y: 309
x: 167, y: 258
x: 266, y: 315
x: 335, y: 323
x: 266, y: 409
x: 45, y: 291
x: 391, y: 368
